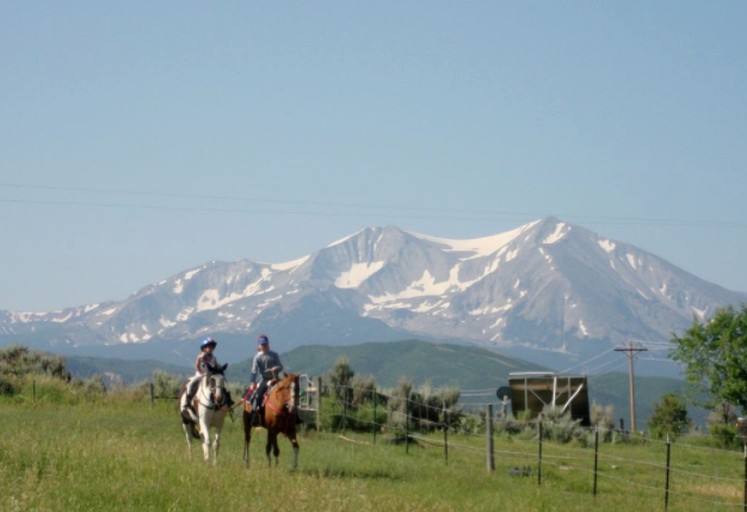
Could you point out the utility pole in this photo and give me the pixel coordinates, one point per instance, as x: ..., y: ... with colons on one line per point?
x: 631, y: 349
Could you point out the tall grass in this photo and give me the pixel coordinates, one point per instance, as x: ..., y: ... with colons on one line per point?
x: 126, y: 455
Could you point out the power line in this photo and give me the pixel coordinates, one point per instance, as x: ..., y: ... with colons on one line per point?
x: 203, y: 197
x: 427, y: 213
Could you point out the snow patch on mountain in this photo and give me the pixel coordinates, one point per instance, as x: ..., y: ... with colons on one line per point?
x: 606, y: 245
x: 699, y: 312
x: 426, y: 286
x: 165, y: 323
x: 62, y: 319
x: 478, y: 247
x: 582, y: 328
x: 184, y: 314
x: 345, y: 239
x: 189, y: 275
x: 558, y: 234
x: 210, y: 299
x: 289, y: 265
x: 632, y: 261
x: 357, y: 274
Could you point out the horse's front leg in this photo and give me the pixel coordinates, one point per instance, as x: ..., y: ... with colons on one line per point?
x: 272, y: 446
x: 294, y: 442
x: 247, y: 440
x: 186, y: 427
x: 205, y: 435
x: 246, y: 452
x: 216, y: 445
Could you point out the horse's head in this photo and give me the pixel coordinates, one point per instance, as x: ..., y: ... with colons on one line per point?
x: 215, y: 380
x: 290, y: 388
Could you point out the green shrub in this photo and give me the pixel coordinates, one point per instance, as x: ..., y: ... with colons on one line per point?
x: 6, y: 387
x: 724, y: 436
x: 559, y: 426
x: 669, y: 417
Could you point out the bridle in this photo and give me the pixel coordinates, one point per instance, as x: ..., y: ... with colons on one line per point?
x: 289, y: 408
x: 210, y: 400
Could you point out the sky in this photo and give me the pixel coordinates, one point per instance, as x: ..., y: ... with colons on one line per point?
x: 141, y: 139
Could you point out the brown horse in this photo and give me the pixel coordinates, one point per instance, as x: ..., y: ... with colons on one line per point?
x: 280, y: 415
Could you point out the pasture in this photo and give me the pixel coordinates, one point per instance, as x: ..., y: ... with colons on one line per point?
x: 123, y: 455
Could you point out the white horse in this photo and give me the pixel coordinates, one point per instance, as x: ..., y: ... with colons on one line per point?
x: 211, y: 403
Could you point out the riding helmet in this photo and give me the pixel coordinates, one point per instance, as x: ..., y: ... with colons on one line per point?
x: 208, y: 342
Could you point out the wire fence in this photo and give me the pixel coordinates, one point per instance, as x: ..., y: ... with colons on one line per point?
x: 678, y: 470
x: 672, y: 470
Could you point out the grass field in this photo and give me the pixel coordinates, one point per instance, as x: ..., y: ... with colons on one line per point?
x: 131, y: 456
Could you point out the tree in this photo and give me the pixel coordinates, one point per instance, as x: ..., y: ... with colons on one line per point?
x: 715, y: 355
x: 341, y: 378
x: 398, y: 406
x: 364, y: 390
x: 669, y: 417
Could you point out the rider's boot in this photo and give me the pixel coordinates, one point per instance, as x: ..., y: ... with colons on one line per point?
x: 187, y: 405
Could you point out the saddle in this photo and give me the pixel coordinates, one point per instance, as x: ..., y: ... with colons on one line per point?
x: 258, y: 418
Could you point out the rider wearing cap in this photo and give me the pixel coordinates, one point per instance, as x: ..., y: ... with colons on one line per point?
x: 266, y: 364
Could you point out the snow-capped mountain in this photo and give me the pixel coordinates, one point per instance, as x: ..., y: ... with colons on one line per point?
x: 547, y: 285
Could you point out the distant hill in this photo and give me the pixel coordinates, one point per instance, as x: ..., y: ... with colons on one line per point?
x: 441, y: 365
x: 613, y: 389
x: 477, y: 372
x: 124, y: 371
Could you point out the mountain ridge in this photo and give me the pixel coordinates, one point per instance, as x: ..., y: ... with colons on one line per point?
x: 547, y: 289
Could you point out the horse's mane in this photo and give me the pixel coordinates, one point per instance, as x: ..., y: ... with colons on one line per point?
x: 289, y: 378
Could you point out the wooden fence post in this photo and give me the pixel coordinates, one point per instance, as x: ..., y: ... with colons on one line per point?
x: 539, y: 454
x: 446, y: 444
x: 666, y: 485
x: 489, y: 436
x: 596, y: 457
x: 375, y: 425
x: 744, y: 496
x: 319, y: 404
x: 407, y: 431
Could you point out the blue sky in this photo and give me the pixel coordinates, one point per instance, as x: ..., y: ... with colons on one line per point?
x: 141, y: 139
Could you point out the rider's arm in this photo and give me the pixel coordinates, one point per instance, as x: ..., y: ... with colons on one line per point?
x: 255, y: 371
x: 278, y: 365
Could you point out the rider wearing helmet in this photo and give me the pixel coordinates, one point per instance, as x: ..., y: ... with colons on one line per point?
x: 204, y: 358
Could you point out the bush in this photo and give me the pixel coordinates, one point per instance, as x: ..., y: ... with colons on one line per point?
x: 6, y: 387
x: 669, y: 417
x: 560, y: 427
x: 509, y: 425
x: 166, y: 385
x: 19, y: 361
x: 724, y: 436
